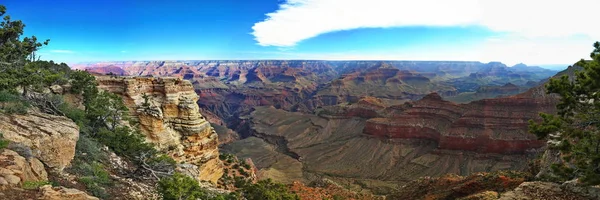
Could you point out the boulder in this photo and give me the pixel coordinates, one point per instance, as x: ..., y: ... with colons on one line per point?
x: 16, y: 169
x: 62, y: 193
x: 51, y: 138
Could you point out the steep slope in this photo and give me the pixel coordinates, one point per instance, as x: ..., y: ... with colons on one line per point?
x: 168, y: 115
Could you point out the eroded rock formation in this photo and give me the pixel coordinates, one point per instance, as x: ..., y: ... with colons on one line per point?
x: 169, y: 117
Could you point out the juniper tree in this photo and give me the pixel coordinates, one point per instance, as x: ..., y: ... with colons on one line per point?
x: 576, y: 127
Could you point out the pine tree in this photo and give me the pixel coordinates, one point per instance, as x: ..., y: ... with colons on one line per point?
x: 576, y: 127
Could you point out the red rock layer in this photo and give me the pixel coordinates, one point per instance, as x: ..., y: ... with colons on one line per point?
x: 487, y: 126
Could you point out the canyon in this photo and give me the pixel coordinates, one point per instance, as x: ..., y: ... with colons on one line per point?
x: 228, y: 88
x: 308, y: 120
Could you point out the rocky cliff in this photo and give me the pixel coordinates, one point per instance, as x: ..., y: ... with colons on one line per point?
x: 169, y: 116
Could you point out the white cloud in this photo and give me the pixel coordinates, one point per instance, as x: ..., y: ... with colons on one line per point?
x: 61, y: 51
x: 297, y: 20
x: 540, y: 29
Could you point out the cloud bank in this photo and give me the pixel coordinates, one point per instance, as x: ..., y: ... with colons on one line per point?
x: 298, y: 20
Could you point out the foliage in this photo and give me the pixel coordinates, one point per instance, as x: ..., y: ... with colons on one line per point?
x: 106, y: 110
x: 180, y: 187
x: 32, y: 185
x: 267, y: 190
x: 77, y: 115
x: 3, y: 143
x: 12, y: 104
x: 88, y: 150
x: 84, y: 84
x: 124, y: 141
x: 12, y: 48
x: 575, y: 129
x: 95, y: 177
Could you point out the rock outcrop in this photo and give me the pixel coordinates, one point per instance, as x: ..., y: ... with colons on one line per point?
x: 51, y: 138
x: 61, y: 193
x: 545, y: 190
x: 16, y: 169
x: 168, y: 115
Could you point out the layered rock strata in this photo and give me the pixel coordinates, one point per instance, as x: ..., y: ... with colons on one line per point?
x: 168, y: 115
x: 487, y: 126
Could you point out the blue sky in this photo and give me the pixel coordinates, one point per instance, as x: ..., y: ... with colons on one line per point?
x: 509, y: 31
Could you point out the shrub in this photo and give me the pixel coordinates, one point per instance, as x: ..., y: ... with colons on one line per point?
x: 180, y: 187
x: 73, y: 113
x: 12, y: 104
x: 32, y: 185
x: 3, y: 143
x: 95, y: 178
x: 268, y: 190
x: 126, y: 142
x: 89, y: 150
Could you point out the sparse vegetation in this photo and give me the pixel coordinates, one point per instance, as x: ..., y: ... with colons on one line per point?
x: 3, y: 143
x: 12, y: 104
x: 32, y: 185
x: 180, y: 187
x: 95, y: 177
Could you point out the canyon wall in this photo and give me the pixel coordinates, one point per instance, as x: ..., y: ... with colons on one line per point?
x: 169, y: 116
x: 488, y: 126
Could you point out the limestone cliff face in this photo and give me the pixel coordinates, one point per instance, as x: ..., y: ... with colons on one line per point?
x: 169, y: 117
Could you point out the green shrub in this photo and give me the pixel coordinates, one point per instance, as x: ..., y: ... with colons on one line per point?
x: 3, y: 143
x: 73, y: 113
x: 95, y: 178
x: 126, y: 142
x: 246, y: 166
x: 180, y: 187
x: 89, y: 150
x: 32, y: 185
x: 12, y: 104
x: 268, y: 190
